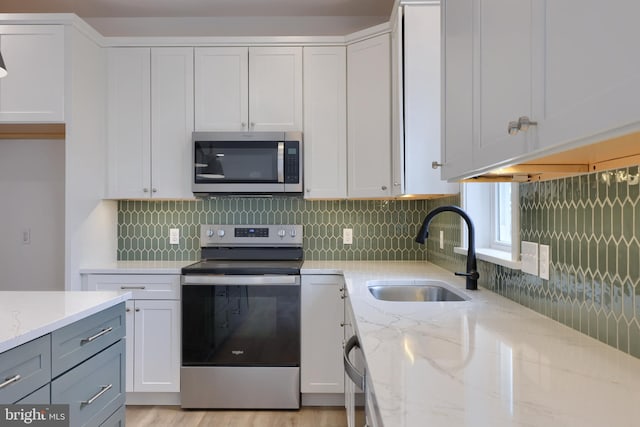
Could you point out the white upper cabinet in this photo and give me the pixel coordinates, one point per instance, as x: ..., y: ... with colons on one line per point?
x: 275, y: 88
x: 171, y: 121
x: 325, y: 122
x: 502, y: 78
x: 256, y: 89
x: 417, y: 102
x: 369, y: 118
x: 457, y: 86
x: 150, y: 120
x: 33, y: 91
x: 222, y: 98
x: 589, y: 71
x: 541, y: 83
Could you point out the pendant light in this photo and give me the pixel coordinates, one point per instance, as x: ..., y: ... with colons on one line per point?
x: 3, y: 68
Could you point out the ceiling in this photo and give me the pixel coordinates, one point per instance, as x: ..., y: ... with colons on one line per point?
x: 201, y: 8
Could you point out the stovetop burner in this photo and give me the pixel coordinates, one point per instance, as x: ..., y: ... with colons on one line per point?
x: 249, y: 250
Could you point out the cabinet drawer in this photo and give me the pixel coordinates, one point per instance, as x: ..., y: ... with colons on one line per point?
x: 117, y: 419
x: 42, y: 396
x: 141, y: 286
x: 95, y: 389
x: 24, y: 369
x: 77, y: 342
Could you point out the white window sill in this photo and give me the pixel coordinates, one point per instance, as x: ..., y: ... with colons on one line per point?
x: 493, y: 256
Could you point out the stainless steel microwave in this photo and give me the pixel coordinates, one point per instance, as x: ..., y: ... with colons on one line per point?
x: 246, y: 163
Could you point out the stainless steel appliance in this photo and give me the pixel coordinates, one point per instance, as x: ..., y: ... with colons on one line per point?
x: 241, y: 318
x: 246, y: 162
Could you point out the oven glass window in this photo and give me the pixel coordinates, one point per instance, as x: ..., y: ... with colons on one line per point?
x: 240, y: 325
x: 236, y: 161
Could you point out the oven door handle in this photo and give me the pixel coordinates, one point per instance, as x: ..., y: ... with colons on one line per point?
x: 240, y: 280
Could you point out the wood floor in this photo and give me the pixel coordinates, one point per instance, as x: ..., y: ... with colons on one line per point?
x: 143, y: 416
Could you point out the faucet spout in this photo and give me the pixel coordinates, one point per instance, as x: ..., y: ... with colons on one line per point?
x: 471, y: 274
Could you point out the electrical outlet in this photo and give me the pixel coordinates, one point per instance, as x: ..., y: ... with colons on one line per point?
x: 441, y: 239
x: 174, y: 236
x: 544, y: 262
x: 529, y: 254
x: 347, y: 236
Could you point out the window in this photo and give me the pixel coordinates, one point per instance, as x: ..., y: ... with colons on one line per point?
x: 495, y: 211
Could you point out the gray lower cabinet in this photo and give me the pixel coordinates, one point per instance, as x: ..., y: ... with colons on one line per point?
x: 81, y: 364
x: 41, y: 396
x: 117, y: 419
x: 94, y: 389
x: 24, y: 369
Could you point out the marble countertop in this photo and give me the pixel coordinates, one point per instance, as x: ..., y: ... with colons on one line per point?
x: 484, y: 362
x: 26, y: 315
x: 137, y: 267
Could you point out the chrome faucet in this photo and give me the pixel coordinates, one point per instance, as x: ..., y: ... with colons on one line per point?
x: 472, y: 269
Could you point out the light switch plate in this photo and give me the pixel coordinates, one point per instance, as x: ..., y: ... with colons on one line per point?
x: 529, y: 255
x: 544, y: 262
x: 441, y: 239
x: 174, y: 236
x: 347, y: 236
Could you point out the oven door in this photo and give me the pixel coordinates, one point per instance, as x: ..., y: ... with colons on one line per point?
x: 239, y: 320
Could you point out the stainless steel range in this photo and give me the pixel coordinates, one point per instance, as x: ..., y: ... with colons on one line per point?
x: 241, y: 318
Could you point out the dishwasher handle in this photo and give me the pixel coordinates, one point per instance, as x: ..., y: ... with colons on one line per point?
x: 349, y: 369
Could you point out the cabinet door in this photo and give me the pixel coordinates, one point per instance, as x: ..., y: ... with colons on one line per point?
x: 275, y: 88
x: 221, y: 81
x: 128, y: 122
x: 457, y: 84
x: 591, y: 81
x: 130, y: 339
x: 397, y: 102
x: 33, y: 91
x: 325, y: 122
x: 369, y: 118
x: 503, y: 78
x: 171, y: 121
x: 322, y: 310
x: 422, y: 101
x: 157, y: 346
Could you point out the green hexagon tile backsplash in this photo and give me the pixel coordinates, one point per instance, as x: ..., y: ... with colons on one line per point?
x: 592, y: 225
x: 382, y: 230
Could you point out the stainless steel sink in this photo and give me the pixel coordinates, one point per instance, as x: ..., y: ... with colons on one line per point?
x: 414, y: 290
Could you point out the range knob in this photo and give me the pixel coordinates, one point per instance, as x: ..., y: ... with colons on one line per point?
x: 220, y: 233
x: 282, y: 233
x: 209, y: 233
x: 293, y: 232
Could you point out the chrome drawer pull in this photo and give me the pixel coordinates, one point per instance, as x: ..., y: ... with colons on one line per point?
x: 10, y: 380
x: 98, y: 335
x: 133, y: 287
x: 105, y: 388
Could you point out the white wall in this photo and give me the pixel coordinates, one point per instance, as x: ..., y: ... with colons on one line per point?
x: 32, y: 194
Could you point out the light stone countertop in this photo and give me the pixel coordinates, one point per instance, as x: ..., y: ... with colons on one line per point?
x: 137, y: 267
x: 485, y: 362
x: 26, y: 315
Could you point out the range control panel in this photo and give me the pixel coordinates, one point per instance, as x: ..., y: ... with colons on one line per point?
x: 212, y: 235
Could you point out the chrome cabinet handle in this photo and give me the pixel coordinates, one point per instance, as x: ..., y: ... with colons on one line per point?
x: 384, y: 187
x: 154, y: 190
x: 522, y: 124
x: 133, y: 287
x: 436, y: 165
x: 145, y: 190
x: 10, y: 380
x: 243, y: 124
x: 96, y: 336
x: 104, y: 389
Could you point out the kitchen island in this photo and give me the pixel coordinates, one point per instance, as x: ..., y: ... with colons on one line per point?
x: 487, y: 361
x: 64, y: 348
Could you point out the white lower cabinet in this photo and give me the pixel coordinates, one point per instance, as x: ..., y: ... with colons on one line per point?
x: 322, y: 312
x: 153, y: 329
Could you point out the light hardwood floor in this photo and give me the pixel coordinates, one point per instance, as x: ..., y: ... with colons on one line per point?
x: 143, y: 416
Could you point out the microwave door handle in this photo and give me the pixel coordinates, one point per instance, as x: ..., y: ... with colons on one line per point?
x: 280, y: 161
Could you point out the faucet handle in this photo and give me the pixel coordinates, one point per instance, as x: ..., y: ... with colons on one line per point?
x: 471, y: 275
